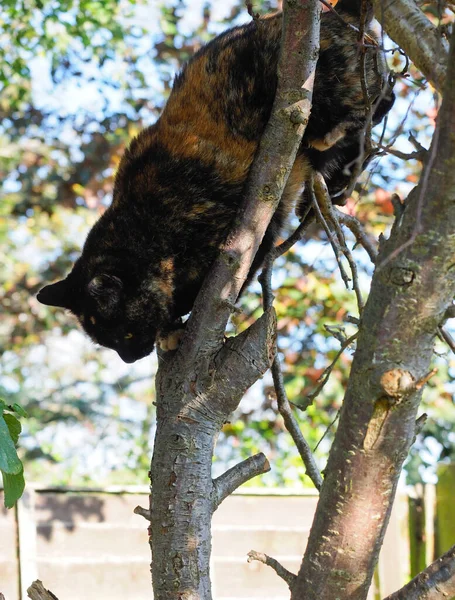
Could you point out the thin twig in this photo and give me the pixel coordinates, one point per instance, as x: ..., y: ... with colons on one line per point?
x: 295, y: 237
x: 362, y: 237
x: 420, y: 424
x: 447, y: 338
x: 425, y: 379
x: 328, y: 428
x: 417, y: 155
x: 333, y: 242
x: 284, y: 407
x: 229, y: 481
x: 293, y: 428
x: 281, y: 571
x: 417, y: 145
x: 326, y: 374
x: 324, y: 203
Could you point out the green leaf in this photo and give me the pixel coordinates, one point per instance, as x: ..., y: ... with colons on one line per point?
x: 9, y: 461
x: 17, y: 408
x: 13, y: 487
x: 14, y: 427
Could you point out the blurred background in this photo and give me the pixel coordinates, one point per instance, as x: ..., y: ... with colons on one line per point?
x: 78, y: 80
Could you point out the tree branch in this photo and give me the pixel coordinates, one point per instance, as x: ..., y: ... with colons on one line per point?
x: 436, y: 582
x: 281, y: 571
x: 284, y: 407
x: 363, y: 238
x: 37, y: 591
x: 447, y: 338
x: 292, y: 426
x: 407, y: 25
x: 229, y: 481
x: 143, y: 512
x: 267, y: 177
x: 325, y: 210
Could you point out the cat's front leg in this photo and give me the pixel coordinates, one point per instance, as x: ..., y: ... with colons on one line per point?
x: 169, y: 338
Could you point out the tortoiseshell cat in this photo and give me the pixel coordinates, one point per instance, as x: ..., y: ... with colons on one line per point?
x: 181, y: 181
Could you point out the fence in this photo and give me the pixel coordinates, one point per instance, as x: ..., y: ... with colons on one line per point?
x: 89, y: 544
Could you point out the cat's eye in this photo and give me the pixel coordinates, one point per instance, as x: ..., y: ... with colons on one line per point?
x: 128, y: 336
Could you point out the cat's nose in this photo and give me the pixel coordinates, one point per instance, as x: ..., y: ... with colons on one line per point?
x: 127, y: 355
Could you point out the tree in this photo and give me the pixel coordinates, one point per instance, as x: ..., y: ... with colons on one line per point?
x: 412, y: 290
x: 196, y: 392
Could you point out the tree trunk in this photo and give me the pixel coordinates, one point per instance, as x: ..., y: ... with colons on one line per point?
x: 412, y: 287
x: 200, y: 384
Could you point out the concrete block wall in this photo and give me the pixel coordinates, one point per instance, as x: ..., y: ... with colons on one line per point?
x: 90, y: 544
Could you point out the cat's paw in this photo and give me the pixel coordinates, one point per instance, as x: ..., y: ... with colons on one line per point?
x: 170, y: 340
x: 330, y: 139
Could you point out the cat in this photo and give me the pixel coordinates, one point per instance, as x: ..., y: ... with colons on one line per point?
x: 181, y: 181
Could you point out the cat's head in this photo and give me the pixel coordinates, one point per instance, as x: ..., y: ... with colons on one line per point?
x: 106, y: 311
x: 118, y: 300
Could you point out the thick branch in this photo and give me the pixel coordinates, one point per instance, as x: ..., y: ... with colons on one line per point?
x: 250, y: 353
x: 406, y: 24
x: 267, y: 178
x: 436, y: 582
x: 412, y: 287
x: 229, y: 481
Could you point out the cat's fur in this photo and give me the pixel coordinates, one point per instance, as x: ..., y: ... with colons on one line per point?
x: 181, y: 181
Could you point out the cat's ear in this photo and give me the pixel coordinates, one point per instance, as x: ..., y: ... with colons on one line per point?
x: 57, y: 294
x: 106, y: 290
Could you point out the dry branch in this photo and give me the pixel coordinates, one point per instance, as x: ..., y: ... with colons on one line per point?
x: 368, y: 243
x: 328, y: 216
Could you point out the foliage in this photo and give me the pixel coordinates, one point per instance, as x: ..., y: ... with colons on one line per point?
x: 10, y: 465
x: 78, y: 80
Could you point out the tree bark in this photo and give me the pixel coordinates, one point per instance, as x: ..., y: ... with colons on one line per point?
x: 200, y: 384
x: 37, y: 591
x: 413, y: 284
